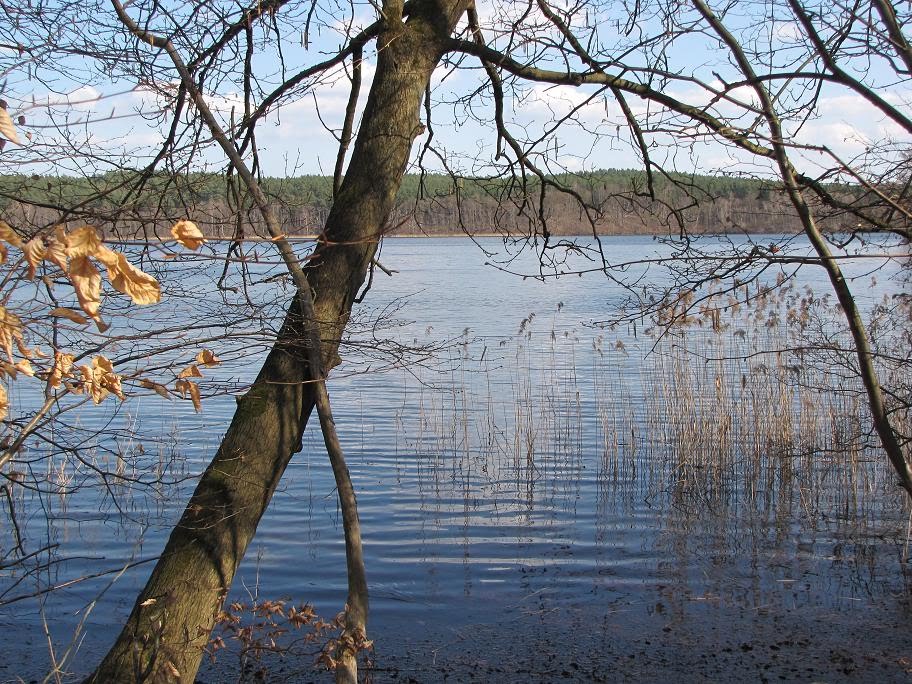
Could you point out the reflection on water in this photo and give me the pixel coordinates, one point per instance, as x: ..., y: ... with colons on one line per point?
x: 549, y: 500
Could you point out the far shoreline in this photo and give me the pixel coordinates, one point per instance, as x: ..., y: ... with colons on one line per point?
x: 314, y: 237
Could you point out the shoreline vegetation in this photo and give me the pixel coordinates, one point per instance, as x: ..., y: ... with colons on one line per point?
x: 427, y: 205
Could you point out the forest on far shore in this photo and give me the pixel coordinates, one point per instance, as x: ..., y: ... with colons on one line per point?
x: 620, y: 203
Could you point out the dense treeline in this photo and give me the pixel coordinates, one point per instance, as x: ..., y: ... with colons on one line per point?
x: 620, y: 201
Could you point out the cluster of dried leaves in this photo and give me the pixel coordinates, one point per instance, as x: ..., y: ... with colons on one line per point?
x: 184, y: 386
x: 344, y: 644
x: 78, y: 254
x: 258, y: 627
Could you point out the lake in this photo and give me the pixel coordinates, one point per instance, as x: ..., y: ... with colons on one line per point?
x: 544, y: 495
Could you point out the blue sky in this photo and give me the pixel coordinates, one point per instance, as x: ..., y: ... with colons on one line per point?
x: 117, y: 116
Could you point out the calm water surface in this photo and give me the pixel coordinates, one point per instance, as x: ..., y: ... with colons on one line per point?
x: 541, y: 499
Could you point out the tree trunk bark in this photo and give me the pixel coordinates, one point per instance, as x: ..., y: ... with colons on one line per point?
x: 173, y: 617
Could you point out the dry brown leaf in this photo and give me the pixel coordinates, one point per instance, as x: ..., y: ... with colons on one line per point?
x: 34, y: 252
x: 90, y: 387
x: 160, y: 390
x: 186, y: 387
x: 10, y: 330
x: 103, y: 363
x: 190, y: 372
x: 7, y: 234
x: 125, y: 277
x: 207, y: 358
x: 23, y: 350
x: 4, y: 253
x: 69, y: 314
x: 172, y: 670
x: 83, y: 242
x: 188, y: 234
x: 7, y: 129
x: 99, y: 380
x: 4, y: 402
x: 9, y: 369
x: 106, y: 256
x: 86, y: 282
x: 61, y: 368
x: 57, y: 245
x: 25, y: 366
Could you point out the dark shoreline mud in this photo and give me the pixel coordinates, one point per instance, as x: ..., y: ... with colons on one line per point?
x: 685, y: 639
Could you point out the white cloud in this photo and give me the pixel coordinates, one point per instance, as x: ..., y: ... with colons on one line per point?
x: 84, y: 99
x: 849, y: 125
x: 788, y: 31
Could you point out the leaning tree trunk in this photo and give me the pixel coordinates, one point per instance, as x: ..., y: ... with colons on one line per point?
x: 174, y: 614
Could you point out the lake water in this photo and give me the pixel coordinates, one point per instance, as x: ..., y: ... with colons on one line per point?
x: 543, y: 496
